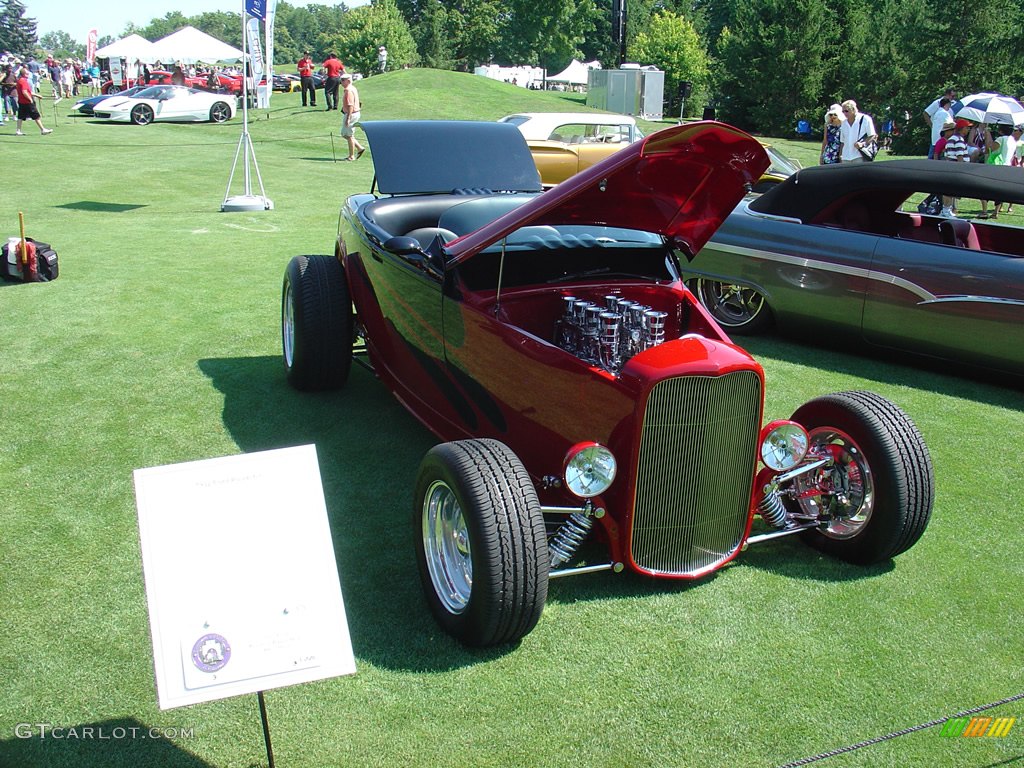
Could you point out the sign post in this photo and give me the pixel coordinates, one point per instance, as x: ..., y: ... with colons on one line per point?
x: 241, y: 578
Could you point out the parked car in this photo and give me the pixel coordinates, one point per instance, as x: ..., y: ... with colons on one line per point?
x: 564, y: 143
x: 287, y: 83
x: 781, y: 168
x: 843, y: 251
x: 156, y: 77
x: 582, y: 391
x: 85, y: 106
x: 169, y: 103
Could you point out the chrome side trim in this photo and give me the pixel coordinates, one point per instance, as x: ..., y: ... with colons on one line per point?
x: 924, y: 296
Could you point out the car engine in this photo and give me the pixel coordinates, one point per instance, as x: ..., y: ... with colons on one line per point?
x: 609, y: 335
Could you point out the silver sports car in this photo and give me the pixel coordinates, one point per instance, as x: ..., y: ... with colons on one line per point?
x: 167, y: 102
x: 843, y: 250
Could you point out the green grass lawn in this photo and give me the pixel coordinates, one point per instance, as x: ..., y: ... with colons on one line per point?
x: 160, y: 344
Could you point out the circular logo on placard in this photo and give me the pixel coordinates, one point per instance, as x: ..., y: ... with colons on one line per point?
x: 211, y: 652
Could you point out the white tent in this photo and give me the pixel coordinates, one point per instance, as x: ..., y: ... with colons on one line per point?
x: 131, y: 49
x: 575, y: 73
x: 190, y: 46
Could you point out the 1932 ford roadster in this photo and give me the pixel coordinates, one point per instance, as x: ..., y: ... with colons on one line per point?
x: 583, y: 393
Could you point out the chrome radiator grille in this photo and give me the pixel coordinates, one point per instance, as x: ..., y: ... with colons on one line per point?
x: 695, y: 471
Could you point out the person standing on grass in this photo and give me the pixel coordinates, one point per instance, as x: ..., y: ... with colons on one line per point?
x: 856, y: 130
x: 956, y: 151
x: 27, y: 104
x: 333, y: 68
x: 350, y: 115
x: 305, y: 67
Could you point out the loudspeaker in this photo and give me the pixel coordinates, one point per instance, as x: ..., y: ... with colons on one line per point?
x: 685, y: 88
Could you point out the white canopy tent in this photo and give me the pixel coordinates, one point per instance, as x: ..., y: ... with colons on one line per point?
x: 575, y: 73
x: 132, y: 48
x: 190, y: 46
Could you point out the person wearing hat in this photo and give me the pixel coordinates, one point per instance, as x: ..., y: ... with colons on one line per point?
x: 350, y: 116
x: 947, y: 130
x: 305, y: 67
x: 830, y: 142
x: 382, y: 59
x: 956, y: 150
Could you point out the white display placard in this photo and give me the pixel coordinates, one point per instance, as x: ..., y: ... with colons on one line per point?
x: 241, y: 579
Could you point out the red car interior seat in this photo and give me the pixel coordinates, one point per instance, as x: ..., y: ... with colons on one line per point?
x: 960, y: 233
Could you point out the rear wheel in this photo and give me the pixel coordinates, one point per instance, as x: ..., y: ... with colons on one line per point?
x: 316, y: 323
x: 481, y: 548
x: 219, y: 112
x: 142, y: 114
x: 734, y: 307
x: 879, y: 490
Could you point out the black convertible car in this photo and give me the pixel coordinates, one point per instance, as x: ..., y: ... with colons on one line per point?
x: 843, y: 251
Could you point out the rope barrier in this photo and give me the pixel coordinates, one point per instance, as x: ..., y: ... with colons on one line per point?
x: 904, y: 732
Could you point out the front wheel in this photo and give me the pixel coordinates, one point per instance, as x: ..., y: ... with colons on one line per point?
x: 142, y: 114
x: 736, y: 308
x: 316, y: 323
x: 219, y: 112
x: 877, y: 493
x: 481, y: 547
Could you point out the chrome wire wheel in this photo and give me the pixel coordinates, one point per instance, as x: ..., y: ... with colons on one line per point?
x: 288, y: 326
x: 847, y: 489
x: 446, y: 545
x: 733, y: 306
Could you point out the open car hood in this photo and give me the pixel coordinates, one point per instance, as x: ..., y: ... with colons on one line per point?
x: 681, y: 182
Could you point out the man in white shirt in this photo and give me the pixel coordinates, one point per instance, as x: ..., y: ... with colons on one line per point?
x: 855, y: 131
x: 939, y: 117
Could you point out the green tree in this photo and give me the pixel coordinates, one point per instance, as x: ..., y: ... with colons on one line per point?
x: 169, y: 24
x: 223, y: 25
x: 432, y: 38
x: 671, y: 43
x: 546, y: 34
x: 370, y: 26
x: 774, y: 59
x: 61, y: 45
x: 17, y: 31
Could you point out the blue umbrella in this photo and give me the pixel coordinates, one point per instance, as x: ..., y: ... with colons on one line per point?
x: 990, y: 108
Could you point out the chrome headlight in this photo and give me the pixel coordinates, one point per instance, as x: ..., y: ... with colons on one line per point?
x: 783, y: 445
x: 589, y: 469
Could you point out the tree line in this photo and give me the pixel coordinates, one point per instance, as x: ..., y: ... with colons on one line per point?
x: 762, y: 64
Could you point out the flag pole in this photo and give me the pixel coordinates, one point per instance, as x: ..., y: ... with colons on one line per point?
x: 247, y: 201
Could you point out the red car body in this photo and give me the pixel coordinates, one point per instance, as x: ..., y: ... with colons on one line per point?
x: 634, y: 421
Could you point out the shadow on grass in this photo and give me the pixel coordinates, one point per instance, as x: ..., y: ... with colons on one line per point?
x: 122, y: 742
x: 847, y: 357
x: 97, y: 207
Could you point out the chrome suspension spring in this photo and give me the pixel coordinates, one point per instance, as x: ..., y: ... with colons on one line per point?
x: 771, y: 509
x: 568, y: 538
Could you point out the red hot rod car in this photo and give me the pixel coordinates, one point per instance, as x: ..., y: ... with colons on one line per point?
x: 582, y: 391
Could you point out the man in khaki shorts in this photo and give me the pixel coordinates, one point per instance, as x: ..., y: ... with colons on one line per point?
x: 350, y: 116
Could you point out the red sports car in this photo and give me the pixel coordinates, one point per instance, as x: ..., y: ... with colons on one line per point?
x: 580, y: 389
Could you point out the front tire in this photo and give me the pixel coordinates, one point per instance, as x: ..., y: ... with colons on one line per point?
x: 219, y: 112
x: 882, y: 478
x: 736, y: 308
x: 316, y: 323
x: 481, y: 549
x: 142, y: 114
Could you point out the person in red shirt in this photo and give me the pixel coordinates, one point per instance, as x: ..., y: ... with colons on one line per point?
x: 305, y: 67
x: 332, y: 69
x: 27, y: 104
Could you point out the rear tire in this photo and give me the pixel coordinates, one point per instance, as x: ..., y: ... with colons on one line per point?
x: 883, y: 468
x: 481, y: 544
x: 316, y: 323
x: 220, y: 112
